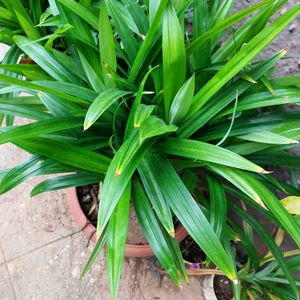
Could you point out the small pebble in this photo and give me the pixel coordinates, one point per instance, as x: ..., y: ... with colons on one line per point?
x: 86, y: 199
x: 292, y: 27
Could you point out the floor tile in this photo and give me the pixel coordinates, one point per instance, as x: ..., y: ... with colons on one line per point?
x: 29, y: 223
x: 53, y: 272
x: 6, y: 292
x: 1, y: 256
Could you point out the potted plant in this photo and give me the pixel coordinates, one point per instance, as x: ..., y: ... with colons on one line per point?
x: 158, y: 101
x: 260, y: 271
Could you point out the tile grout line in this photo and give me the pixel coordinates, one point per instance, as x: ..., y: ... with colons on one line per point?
x: 41, y: 247
x: 8, y: 273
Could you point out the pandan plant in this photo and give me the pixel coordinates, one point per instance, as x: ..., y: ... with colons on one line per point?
x: 158, y: 100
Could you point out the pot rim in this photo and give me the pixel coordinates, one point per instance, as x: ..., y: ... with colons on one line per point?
x: 208, y: 288
x: 90, y: 230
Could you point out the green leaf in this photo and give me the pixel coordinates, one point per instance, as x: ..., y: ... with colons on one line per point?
x: 93, y: 76
x: 31, y: 101
x: 291, y: 204
x: 69, y: 63
x: 236, y: 178
x: 275, y: 207
x: 267, y: 137
x: 147, y: 44
x: 106, y: 44
x: 81, y: 11
x: 161, y: 208
x: 39, y: 128
x: 190, y: 180
x: 154, y: 126
x: 49, y: 87
x: 67, y: 153
x: 57, y: 106
x: 182, y: 101
x: 116, y: 181
x: 45, y: 60
x: 246, y: 31
x: 63, y: 182
x: 201, y: 57
x: 116, y: 240
x: 142, y: 113
x: 218, y: 206
x: 17, y: 8
x: 272, y: 121
x: 96, y: 251
x: 206, y: 152
x: 67, y: 91
x: 264, y: 235
x: 240, y: 15
x: 165, y: 248
x: 122, y: 26
x: 174, y: 58
x: 265, y: 99
x: 225, y: 97
x: 33, y: 166
x: 138, y: 15
x: 32, y: 72
x: 190, y: 214
x: 18, y: 174
x: 243, y: 57
x: 23, y: 111
x: 101, y: 104
x: 125, y: 156
x: 7, y: 19
x: 136, y: 106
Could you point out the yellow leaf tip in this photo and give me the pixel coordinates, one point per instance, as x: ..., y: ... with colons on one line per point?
x: 172, y: 233
x: 86, y: 126
x: 263, y: 171
x: 293, y: 141
x: 118, y: 172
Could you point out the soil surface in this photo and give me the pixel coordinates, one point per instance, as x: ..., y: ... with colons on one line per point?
x: 88, y: 199
x: 191, y: 252
x: 223, y: 289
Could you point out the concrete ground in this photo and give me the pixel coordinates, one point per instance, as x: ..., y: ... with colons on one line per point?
x: 42, y: 250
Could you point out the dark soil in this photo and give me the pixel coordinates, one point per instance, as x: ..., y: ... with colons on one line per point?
x: 191, y: 252
x: 223, y: 289
x: 88, y: 199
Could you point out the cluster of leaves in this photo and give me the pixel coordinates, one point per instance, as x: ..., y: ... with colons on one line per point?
x: 144, y: 97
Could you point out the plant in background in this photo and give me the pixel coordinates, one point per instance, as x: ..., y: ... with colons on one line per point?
x: 144, y: 97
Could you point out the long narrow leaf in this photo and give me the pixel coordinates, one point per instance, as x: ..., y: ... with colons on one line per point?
x: 174, y: 58
x: 116, y: 240
x: 189, y: 214
x: 165, y: 248
x: 206, y: 152
x: 243, y: 57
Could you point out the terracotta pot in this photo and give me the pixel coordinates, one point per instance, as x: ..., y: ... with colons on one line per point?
x: 90, y: 230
